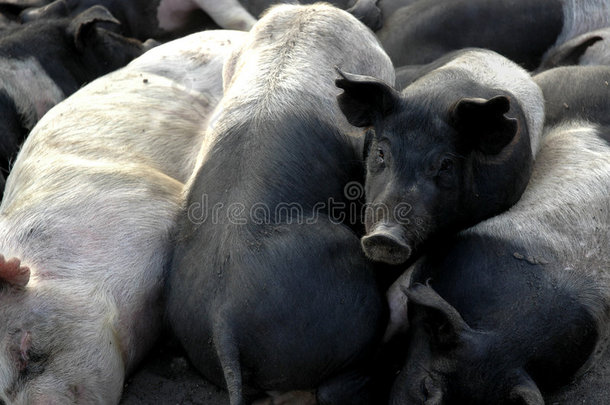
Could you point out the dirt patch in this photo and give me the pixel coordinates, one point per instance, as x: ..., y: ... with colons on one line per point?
x: 167, y: 378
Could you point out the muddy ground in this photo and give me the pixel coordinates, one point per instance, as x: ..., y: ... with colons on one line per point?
x: 167, y: 378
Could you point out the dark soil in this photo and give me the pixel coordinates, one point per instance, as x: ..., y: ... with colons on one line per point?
x: 167, y: 378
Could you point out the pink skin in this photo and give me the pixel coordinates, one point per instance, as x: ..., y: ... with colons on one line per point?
x: 26, y: 343
x: 13, y: 272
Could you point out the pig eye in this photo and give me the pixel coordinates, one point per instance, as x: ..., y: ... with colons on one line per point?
x: 380, y: 155
x: 446, y: 165
x: 445, y: 173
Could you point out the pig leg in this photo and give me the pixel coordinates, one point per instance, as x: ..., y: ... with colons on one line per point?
x: 228, y: 14
x: 367, y: 12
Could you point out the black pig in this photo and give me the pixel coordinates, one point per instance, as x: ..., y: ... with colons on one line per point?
x: 455, y: 147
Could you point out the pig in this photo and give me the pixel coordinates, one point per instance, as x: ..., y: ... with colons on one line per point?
x: 510, y: 310
x: 159, y: 19
x: 576, y: 92
x: 453, y: 148
x: 521, y: 30
x: 87, y: 220
x: 44, y: 61
x: 590, y: 48
x: 162, y: 19
x: 268, y: 289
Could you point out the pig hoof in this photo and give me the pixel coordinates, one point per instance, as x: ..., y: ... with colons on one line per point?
x: 381, y: 247
x: 12, y: 272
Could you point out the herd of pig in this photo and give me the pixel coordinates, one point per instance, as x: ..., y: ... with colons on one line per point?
x: 407, y: 202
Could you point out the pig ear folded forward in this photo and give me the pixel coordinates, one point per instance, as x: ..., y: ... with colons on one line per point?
x: 80, y: 27
x: 484, y: 124
x: 99, y: 43
x: 570, y: 52
x: 443, y: 320
x: 448, y: 331
x: 13, y: 273
x: 365, y: 98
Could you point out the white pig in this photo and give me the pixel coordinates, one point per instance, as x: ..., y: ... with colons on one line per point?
x: 87, y: 220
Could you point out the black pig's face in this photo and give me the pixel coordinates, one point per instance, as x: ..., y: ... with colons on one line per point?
x: 413, y: 183
x: 432, y: 162
x: 450, y: 363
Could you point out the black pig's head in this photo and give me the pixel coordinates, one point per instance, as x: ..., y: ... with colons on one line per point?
x: 449, y: 362
x: 437, y: 161
x: 501, y: 361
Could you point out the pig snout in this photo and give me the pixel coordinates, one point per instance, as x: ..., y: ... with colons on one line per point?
x: 385, y: 243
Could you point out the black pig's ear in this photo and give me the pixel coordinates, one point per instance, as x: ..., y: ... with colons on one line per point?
x: 442, y: 320
x: 570, y: 52
x: 482, y: 123
x: 525, y: 391
x: 86, y: 21
x: 365, y: 98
